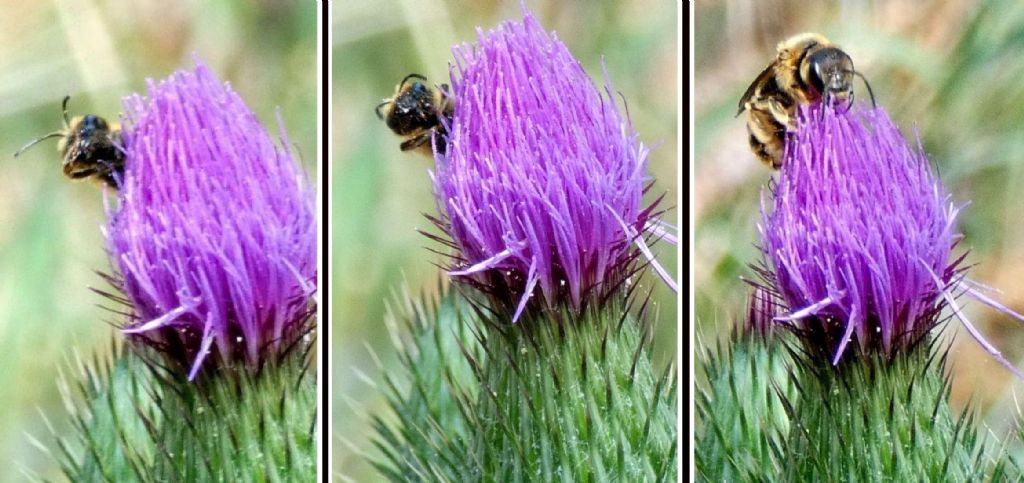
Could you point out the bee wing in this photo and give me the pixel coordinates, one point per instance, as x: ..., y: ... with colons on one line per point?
x: 764, y: 77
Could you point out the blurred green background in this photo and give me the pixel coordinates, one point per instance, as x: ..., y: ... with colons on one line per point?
x: 50, y: 241
x: 952, y: 70
x: 380, y: 194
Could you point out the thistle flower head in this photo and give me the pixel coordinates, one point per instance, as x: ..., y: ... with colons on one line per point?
x: 543, y: 177
x: 214, y: 235
x: 860, y: 234
x: 762, y: 308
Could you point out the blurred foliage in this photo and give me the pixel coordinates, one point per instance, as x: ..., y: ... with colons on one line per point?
x: 50, y: 244
x: 948, y: 70
x: 379, y: 193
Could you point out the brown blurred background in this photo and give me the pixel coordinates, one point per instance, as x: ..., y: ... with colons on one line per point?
x: 50, y: 241
x: 380, y: 193
x: 952, y: 70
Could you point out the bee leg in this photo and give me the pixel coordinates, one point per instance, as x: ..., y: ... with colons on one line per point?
x: 112, y: 177
x: 79, y: 173
x: 440, y: 139
x: 780, y: 113
x: 416, y: 142
x: 446, y: 99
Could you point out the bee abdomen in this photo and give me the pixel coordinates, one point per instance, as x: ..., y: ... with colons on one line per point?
x: 767, y: 136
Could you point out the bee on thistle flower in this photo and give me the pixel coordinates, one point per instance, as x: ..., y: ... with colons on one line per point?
x: 859, y: 238
x: 213, y: 239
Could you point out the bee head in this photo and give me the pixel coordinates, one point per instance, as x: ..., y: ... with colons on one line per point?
x: 91, y: 123
x: 413, y: 109
x: 413, y: 97
x: 82, y: 129
x: 830, y: 71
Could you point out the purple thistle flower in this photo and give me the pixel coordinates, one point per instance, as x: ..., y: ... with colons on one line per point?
x: 859, y: 241
x: 214, y: 237
x: 543, y: 179
x: 762, y: 309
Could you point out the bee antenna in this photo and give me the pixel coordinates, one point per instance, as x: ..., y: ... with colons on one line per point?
x: 410, y: 76
x: 826, y: 101
x: 37, y: 140
x: 866, y: 84
x: 64, y: 109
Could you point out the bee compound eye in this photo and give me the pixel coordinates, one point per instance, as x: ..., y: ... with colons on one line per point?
x: 816, y: 79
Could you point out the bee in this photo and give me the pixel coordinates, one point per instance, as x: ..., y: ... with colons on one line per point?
x: 419, y: 113
x: 807, y: 69
x: 92, y: 147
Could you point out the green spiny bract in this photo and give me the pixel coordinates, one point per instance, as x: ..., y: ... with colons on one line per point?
x: 741, y: 412
x: 135, y: 421
x: 553, y: 397
x: 881, y: 418
x: 771, y: 412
